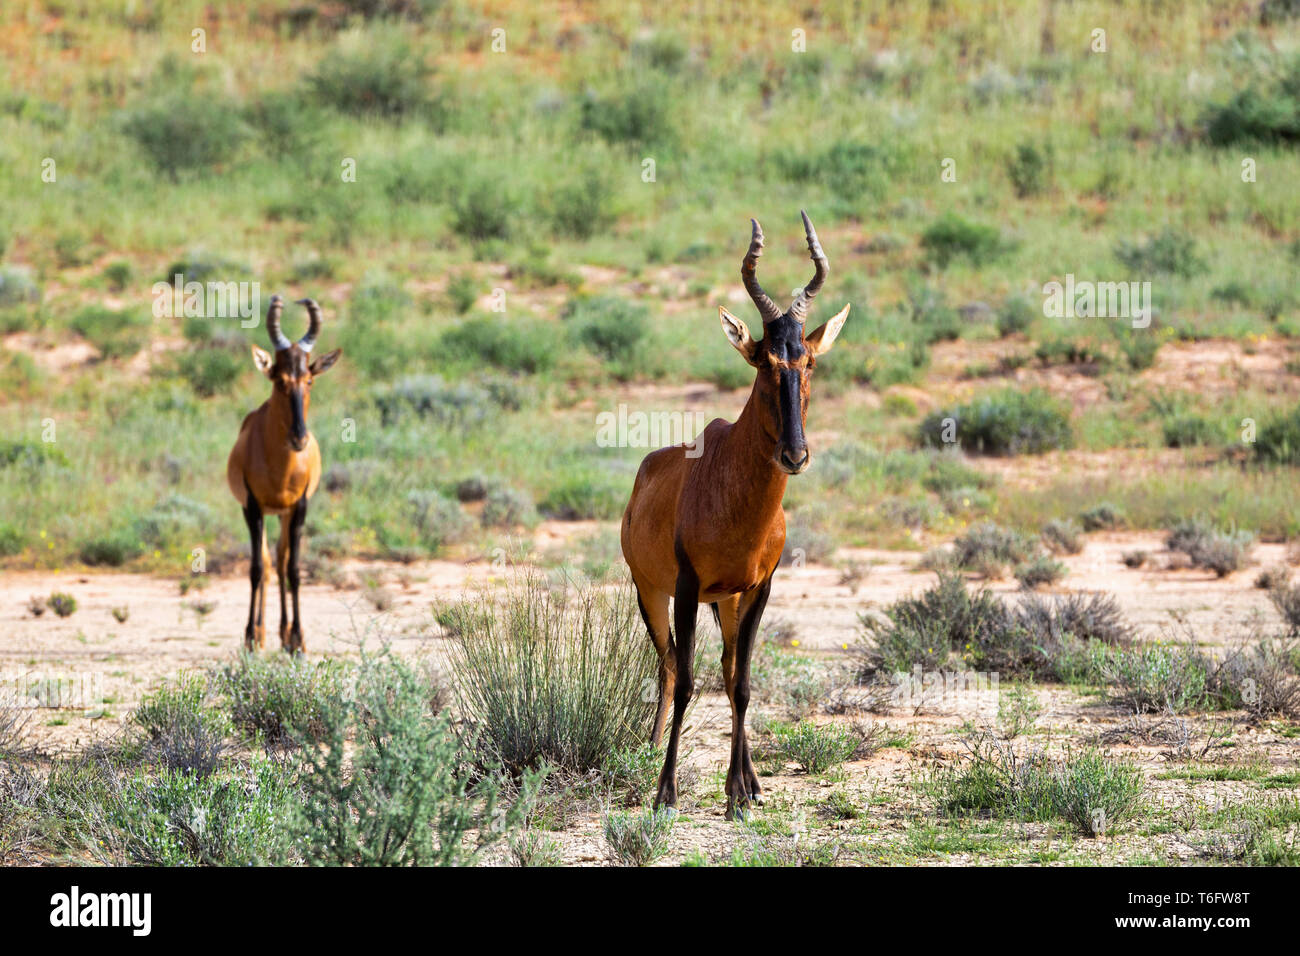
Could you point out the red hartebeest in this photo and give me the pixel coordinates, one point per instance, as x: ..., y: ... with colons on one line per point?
x: 708, y: 527
x: 274, y: 467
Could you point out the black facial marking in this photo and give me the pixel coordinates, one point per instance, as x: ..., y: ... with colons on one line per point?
x: 791, y: 401
x: 785, y: 339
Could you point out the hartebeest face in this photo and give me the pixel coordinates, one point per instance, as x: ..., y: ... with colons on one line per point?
x: 784, y: 357
x: 292, y: 369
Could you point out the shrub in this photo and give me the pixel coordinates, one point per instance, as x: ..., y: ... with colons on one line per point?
x: 1018, y: 709
x: 1170, y: 251
x: 1267, y: 113
x: 112, y: 549
x: 950, y: 237
x: 284, y: 701
x: 612, y: 327
x: 1088, y: 789
x: 400, y: 794
x: 114, y: 334
x: 18, y: 286
x: 437, y: 520
x: 1016, y: 315
x: 1152, y: 678
x: 462, y: 290
x: 1286, y: 598
x: 484, y: 208
x: 585, y: 498
x: 1278, y: 439
x: 1004, y: 423
x: 527, y: 346
x: 850, y: 167
x: 1190, y: 430
x: 429, y: 397
x: 372, y: 73
x: 1039, y: 571
x: 987, y: 547
x: 814, y: 749
x: 1103, y: 517
x: 182, y: 732
x: 1062, y: 537
x: 554, y: 678
x: 1207, y: 547
x: 638, y: 839
x: 62, y: 604
x: 116, y: 816
x: 31, y: 454
x: 640, y: 115
x: 1029, y: 170
x: 1085, y: 616
x: 209, y: 371
x: 12, y: 539
x: 925, y: 630
x: 184, y: 131
x: 583, y: 206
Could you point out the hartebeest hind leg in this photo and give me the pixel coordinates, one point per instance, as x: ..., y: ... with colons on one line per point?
x: 686, y: 603
x: 255, y: 632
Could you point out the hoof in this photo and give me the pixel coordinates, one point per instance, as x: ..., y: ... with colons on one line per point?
x: 739, y: 814
x: 756, y: 798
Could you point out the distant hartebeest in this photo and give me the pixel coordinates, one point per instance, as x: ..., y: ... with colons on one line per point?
x: 708, y: 526
x: 274, y: 467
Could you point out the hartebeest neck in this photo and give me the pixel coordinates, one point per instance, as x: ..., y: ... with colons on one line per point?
x: 751, y: 446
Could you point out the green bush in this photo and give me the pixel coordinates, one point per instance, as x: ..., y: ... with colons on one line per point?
x: 640, y: 115
x: 114, y: 334
x: 183, y: 732
x: 62, y: 604
x: 1030, y: 170
x: 118, y: 815
x: 638, y: 839
x: 373, y: 73
x: 1190, y: 430
x: 112, y: 549
x: 986, y: 547
x: 30, y: 454
x: 1267, y: 113
x: 1016, y: 315
x: 1207, y: 547
x: 814, y: 749
x: 209, y: 371
x: 18, y: 286
x: 951, y: 237
x: 183, y: 131
x: 519, y: 346
x: 1170, y: 251
x: 1062, y: 537
x: 485, y: 207
x: 1009, y: 422
x: 612, y: 327
x: 583, y: 205
x: 1103, y: 517
x: 439, y: 521
x: 586, y: 497
x: 851, y: 168
x: 429, y: 397
x: 284, y: 701
x: 1152, y: 678
x: 12, y: 539
x: 1038, y: 571
x: 1278, y: 439
x: 386, y: 782
x: 547, y: 678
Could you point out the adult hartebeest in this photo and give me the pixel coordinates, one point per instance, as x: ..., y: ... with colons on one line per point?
x: 708, y: 526
x: 274, y: 467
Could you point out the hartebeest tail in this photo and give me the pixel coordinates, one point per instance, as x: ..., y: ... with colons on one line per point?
x: 274, y: 467
x: 708, y: 527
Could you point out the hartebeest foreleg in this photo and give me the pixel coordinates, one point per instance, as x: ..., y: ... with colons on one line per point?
x: 296, y: 522
x: 739, y: 619
x: 655, y: 615
x: 686, y: 603
x: 255, y: 633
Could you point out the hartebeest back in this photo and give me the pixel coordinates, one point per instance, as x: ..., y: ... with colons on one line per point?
x: 708, y: 527
x: 275, y: 467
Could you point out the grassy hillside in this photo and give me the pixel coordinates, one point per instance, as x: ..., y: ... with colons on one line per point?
x: 126, y: 157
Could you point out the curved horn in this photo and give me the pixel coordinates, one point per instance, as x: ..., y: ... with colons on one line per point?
x: 799, y: 308
x: 766, y: 307
x: 273, y: 323
x: 313, y: 313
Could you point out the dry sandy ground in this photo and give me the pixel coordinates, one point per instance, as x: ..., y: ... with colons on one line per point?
x: 164, y: 635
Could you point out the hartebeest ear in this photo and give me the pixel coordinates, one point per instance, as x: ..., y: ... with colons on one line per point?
x: 323, y: 364
x: 738, y: 335
x: 819, y: 341
x: 263, y: 360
